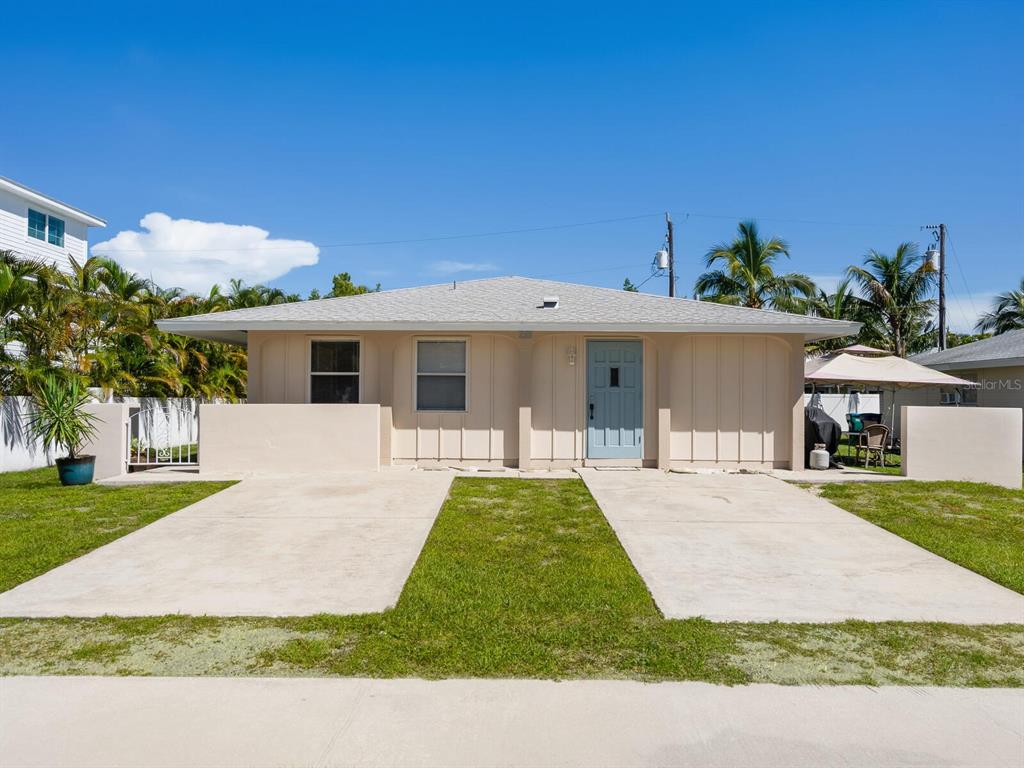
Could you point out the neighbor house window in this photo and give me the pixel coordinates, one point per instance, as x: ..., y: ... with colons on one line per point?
x: 440, y: 375
x: 55, y: 236
x: 36, y: 224
x: 334, y: 372
x: 37, y: 228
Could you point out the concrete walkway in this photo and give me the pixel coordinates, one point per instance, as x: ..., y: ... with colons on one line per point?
x: 736, y: 547
x: 265, y: 547
x: 142, y: 722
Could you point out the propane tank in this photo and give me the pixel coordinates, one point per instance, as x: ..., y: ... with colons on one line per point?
x: 819, y: 457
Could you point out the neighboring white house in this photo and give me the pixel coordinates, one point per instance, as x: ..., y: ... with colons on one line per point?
x: 39, y: 227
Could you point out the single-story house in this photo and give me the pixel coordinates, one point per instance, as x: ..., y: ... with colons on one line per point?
x: 996, y: 364
x: 513, y: 371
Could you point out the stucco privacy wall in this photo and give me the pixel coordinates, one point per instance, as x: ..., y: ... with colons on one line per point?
x: 977, y: 444
x: 722, y: 399
x: 109, y: 443
x: 1001, y: 387
x: 269, y: 438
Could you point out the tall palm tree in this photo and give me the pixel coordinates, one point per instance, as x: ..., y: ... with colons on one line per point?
x: 1007, y: 312
x: 894, y: 291
x: 745, y: 273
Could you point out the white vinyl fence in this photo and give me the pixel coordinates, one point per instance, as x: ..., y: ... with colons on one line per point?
x: 154, y: 422
x: 17, y: 450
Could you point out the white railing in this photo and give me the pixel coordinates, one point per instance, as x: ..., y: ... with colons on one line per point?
x: 166, y: 435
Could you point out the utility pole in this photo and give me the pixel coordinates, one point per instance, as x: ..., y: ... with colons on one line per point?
x: 941, y: 230
x: 671, y: 258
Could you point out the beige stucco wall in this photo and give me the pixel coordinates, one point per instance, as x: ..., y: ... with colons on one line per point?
x: 999, y: 388
x: 718, y: 400
x: 262, y: 438
x: 109, y: 444
x: 977, y: 444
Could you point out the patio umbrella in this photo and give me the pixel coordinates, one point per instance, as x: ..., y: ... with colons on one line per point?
x: 884, y: 372
x: 863, y: 349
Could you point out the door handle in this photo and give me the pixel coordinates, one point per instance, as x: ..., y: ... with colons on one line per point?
x: 591, y: 411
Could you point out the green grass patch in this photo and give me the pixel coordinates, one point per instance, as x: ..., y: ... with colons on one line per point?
x: 44, y: 524
x: 847, y: 455
x: 520, y: 578
x: 976, y: 525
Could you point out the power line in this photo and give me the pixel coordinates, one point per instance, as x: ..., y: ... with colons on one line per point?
x: 503, y: 232
x: 963, y: 276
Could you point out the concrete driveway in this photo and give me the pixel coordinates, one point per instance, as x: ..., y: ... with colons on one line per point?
x: 177, y: 721
x: 733, y: 547
x: 265, y: 547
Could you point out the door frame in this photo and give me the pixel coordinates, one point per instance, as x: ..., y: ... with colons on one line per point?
x: 585, y: 400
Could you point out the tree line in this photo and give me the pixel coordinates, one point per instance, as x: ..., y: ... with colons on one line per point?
x: 889, y: 293
x: 96, y: 321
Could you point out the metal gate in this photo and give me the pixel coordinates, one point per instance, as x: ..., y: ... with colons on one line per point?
x: 165, y: 435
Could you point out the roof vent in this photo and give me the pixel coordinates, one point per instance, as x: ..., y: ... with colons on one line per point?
x: 549, y: 302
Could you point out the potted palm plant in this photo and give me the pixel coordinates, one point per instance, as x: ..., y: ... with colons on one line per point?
x: 60, y: 420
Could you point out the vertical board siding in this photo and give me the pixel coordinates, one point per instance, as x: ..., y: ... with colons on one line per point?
x: 681, y: 398
x: 705, y: 399
x: 752, y: 402
x: 729, y: 395
x: 729, y: 399
x: 542, y: 400
x: 565, y: 398
x: 777, y: 419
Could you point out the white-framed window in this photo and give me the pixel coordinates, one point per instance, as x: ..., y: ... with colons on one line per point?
x: 48, y: 228
x: 36, y: 224
x: 441, y: 374
x: 333, y: 371
x: 55, y: 231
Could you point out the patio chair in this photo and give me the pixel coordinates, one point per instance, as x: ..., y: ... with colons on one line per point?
x: 873, y: 441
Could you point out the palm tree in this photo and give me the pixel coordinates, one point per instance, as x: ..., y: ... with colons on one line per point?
x: 893, y: 291
x: 1007, y: 312
x: 747, y: 276
x: 841, y: 304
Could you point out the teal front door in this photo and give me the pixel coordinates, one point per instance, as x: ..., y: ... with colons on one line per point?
x: 615, y: 400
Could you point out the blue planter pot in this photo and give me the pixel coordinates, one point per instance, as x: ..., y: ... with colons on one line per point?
x: 76, y: 471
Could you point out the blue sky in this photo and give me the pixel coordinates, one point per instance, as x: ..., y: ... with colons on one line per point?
x: 840, y: 127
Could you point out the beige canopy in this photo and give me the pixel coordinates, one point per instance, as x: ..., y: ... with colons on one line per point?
x: 884, y: 372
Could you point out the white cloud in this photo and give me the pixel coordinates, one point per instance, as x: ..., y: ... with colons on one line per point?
x: 451, y: 267
x: 198, y: 254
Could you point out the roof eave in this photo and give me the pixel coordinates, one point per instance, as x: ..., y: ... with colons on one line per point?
x: 224, y: 329
x: 967, y: 365
x: 46, y: 201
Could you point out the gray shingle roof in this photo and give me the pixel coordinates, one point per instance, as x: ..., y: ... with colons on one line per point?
x: 504, y: 303
x: 1004, y: 349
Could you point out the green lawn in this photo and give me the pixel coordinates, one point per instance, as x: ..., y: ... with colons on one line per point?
x: 520, y: 578
x: 979, y: 526
x: 847, y: 456
x: 44, y: 524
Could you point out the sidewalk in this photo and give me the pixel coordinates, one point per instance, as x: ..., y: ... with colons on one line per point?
x: 110, y: 722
